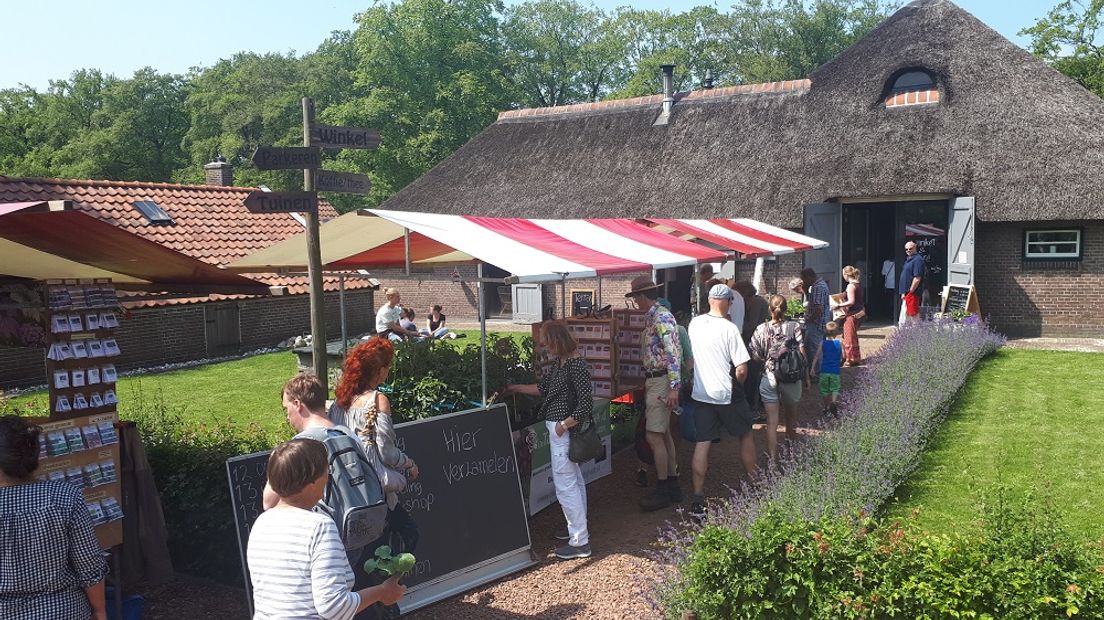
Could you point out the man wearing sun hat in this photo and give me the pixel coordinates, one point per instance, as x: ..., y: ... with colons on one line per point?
x: 661, y: 355
x: 718, y: 349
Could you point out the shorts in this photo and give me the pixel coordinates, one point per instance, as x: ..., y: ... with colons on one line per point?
x: 710, y: 417
x: 657, y: 415
x: 829, y: 384
x: 771, y: 391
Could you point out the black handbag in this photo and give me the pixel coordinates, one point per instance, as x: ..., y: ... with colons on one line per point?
x: 586, y: 445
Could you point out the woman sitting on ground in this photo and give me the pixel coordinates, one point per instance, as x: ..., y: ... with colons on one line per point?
x: 766, y: 345
x: 435, y: 324
x: 52, y: 566
x: 568, y: 402
x: 297, y: 563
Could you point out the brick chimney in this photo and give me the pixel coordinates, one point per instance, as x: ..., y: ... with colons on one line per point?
x: 219, y: 172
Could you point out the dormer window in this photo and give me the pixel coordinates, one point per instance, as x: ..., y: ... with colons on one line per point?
x: 911, y: 87
x: 153, y: 213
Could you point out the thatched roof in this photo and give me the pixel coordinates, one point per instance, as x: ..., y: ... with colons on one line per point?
x: 1023, y: 139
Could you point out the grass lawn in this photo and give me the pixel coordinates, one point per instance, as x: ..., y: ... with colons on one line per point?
x: 1028, y: 420
x: 241, y: 391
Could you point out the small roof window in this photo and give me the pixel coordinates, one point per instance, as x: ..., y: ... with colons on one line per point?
x: 153, y: 213
x: 913, y: 79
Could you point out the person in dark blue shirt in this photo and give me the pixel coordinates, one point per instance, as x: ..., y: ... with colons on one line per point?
x: 911, y: 282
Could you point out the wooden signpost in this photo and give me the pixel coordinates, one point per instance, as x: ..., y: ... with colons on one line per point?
x: 309, y: 158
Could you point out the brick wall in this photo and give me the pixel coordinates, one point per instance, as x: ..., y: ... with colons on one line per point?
x: 427, y: 286
x: 173, y: 334
x: 1029, y: 299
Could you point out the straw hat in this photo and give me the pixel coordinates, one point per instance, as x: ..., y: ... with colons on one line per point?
x: 641, y: 284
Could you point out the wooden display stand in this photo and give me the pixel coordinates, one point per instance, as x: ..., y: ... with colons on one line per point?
x: 960, y: 297
x: 611, y: 347
x: 80, y: 441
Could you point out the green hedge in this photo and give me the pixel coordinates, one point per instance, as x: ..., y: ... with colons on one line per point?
x: 1016, y: 561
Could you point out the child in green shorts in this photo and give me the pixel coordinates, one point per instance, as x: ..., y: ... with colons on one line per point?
x: 831, y: 356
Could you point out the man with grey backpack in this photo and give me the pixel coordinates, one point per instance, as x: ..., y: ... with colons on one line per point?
x: 354, y: 496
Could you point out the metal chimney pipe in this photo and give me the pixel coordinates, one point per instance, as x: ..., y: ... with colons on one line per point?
x: 707, y: 83
x: 668, y: 87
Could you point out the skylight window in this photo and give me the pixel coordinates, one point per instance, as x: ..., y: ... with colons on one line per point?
x: 153, y: 213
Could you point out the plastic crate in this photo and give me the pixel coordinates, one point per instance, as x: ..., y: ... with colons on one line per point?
x: 133, y: 606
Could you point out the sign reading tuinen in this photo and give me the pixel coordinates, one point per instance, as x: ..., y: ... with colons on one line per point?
x: 281, y: 202
x: 330, y: 137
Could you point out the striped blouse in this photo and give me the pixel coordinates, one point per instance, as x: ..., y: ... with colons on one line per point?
x: 298, y: 567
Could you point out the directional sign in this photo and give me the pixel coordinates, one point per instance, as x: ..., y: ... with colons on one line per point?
x: 286, y: 157
x: 329, y: 181
x: 330, y: 137
x: 281, y: 202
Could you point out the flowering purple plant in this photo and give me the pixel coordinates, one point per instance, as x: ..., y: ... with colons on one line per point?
x: 853, y: 468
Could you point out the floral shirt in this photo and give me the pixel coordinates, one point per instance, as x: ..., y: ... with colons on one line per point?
x: 662, y: 350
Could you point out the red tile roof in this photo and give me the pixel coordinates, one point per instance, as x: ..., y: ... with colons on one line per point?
x: 211, y: 223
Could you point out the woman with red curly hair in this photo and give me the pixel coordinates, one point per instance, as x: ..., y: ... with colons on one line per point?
x: 361, y: 407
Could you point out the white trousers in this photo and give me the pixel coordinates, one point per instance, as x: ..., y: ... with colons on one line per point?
x: 905, y: 318
x: 570, y: 487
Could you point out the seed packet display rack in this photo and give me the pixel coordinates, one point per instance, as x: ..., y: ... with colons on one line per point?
x: 80, y: 441
x: 611, y: 347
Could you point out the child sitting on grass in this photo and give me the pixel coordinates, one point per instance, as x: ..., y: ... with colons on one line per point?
x: 831, y: 357
x: 297, y: 563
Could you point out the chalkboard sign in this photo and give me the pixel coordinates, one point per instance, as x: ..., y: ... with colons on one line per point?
x: 467, y: 502
x: 960, y: 297
x: 247, y: 477
x: 582, y: 301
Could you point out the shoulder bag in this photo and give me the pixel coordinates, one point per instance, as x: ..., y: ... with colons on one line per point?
x: 585, y: 444
x: 391, y: 479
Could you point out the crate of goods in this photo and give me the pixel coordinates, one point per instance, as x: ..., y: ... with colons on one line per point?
x: 601, y: 389
x: 601, y: 370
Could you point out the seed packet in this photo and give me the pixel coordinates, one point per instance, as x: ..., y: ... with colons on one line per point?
x: 75, y: 324
x: 91, y: 436
x: 42, y: 453
x: 95, y: 400
x: 107, y: 373
x: 58, y: 297
x: 76, y: 296
x: 56, y: 476
x: 107, y: 433
x: 107, y: 468
x: 108, y: 320
x: 93, y: 375
x: 80, y: 402
x: 61, y: 379
x: 65, y: 350
x: 110, y: 348
x: 97, y: 513
x: 75, y: 477
x: 80, y: 350
x: 92, y: 321
x: 61, y: 405
x: 77, y: 378
x: 73, y: 439
x: 108, y: 296
x: 92, y: 296
x: 109, y: 397
x: 95, y: 348
x: 111, y: 508
x: 92, y: 475
x: 59, y: 324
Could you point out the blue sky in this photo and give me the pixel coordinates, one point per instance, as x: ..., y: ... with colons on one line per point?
x: 56, y: 37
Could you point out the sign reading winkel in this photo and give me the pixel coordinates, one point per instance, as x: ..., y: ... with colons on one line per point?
x: 281, y: 202
x: 287, y: 157
x: 330, y: 137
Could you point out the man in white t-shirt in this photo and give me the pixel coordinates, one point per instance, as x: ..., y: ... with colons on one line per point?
x: 387, y: 318
x: 718, y: 349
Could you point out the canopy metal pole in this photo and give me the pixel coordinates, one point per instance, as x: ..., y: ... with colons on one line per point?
x: 344, y: 328
x: 482, y: 333
x: 563, y: 296
x: 757, y: 279
x: 598, y: 302
x: 406, y: 250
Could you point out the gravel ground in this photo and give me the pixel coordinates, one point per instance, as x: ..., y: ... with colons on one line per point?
x: 602, y: 586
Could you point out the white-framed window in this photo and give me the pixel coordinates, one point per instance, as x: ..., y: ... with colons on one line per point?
x: 1053, y: 244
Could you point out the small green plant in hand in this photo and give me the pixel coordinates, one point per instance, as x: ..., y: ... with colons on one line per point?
x: 388, y: 564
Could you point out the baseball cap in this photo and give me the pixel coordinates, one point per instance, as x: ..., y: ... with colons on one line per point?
x: 721, y: 291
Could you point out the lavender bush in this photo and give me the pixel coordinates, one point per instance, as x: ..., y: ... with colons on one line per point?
x: 853, y: 468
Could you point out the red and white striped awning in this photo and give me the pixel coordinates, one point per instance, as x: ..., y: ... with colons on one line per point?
x: 532, y: 250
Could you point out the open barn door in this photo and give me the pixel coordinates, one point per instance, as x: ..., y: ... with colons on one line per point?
x: 825, y: 221
x: 960, y: 242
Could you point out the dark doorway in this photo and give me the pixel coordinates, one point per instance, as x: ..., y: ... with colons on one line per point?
x: 874, y: 236
x: 678, y: 281
x: 497, y: 297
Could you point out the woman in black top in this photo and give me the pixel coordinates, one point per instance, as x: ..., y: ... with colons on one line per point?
x: 435, y: 324
x: 855, y: 312
x: 568, y: 402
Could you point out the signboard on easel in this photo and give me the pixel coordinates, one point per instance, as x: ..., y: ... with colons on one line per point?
x: 960, y: 297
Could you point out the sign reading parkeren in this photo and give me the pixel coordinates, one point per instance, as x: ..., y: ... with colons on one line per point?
x: 331, y: 137
x: 281, y: 202
x: 287, y: 157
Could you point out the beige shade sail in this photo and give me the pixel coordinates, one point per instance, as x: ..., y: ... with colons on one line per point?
x: 25, y: 262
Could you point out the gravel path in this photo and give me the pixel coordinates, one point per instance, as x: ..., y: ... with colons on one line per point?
x: 602, y: 586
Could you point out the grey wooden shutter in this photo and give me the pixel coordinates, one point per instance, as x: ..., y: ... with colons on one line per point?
x: 824, y: 221
x: 527, y: 303
x: 960, y: 242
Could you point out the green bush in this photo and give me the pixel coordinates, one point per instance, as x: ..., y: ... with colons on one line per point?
x: 1016, y: 562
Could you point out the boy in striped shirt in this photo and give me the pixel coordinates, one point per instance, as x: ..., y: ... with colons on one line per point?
x: 297, y: 563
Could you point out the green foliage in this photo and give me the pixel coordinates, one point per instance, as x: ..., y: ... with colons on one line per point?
x: 1017, y: 563
x: 1071, y: 39
x: 388, y: 564
x: 794, y: 308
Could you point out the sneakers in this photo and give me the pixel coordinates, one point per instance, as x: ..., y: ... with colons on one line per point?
x: 660, y: 498
x: 563, y: 535
x: 642, y: 477
x: 567, y: 552
x: 697, y: 509
x: 674, y: 491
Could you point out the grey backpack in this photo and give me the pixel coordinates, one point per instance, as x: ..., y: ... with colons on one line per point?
x: 354, y: 498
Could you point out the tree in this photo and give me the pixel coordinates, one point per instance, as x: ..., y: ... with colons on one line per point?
x: 1071, y: 40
